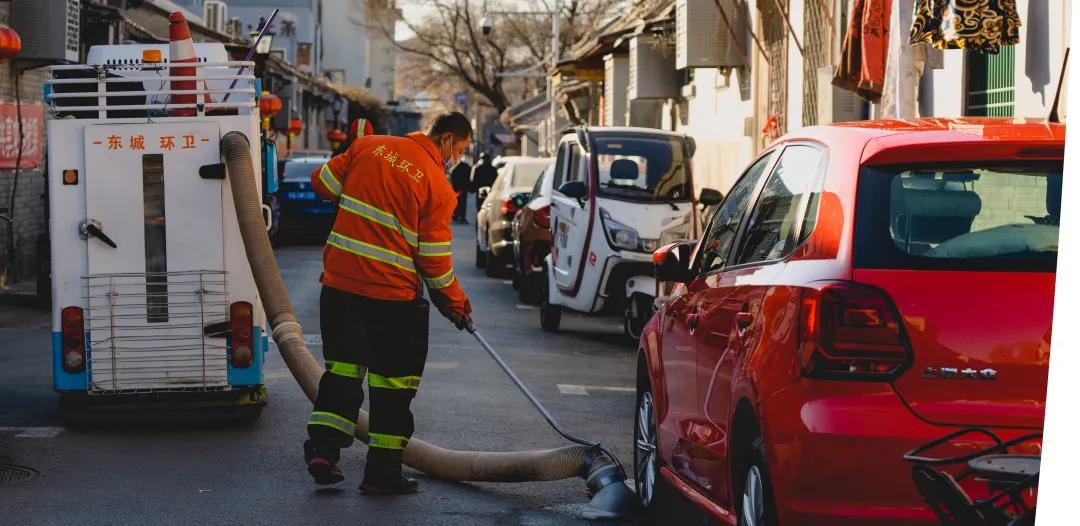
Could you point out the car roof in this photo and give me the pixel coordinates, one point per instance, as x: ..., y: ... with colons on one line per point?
x: 878, y: 137
x: 923, y: 130
x: 530, y: 160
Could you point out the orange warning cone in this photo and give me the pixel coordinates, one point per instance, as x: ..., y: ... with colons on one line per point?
x: 181, y: 49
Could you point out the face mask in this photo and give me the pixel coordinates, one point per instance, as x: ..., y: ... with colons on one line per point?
x: 447, y: 162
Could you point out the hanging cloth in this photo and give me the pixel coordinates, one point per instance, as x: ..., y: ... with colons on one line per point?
x: 865, y: 49
x: 976, y: 25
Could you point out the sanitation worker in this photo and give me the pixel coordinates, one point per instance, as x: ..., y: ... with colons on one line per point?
x: 392, y: 234
x: 360, y: 127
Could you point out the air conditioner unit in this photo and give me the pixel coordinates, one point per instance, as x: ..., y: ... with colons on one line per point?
x: 216, y: 15
x: 49, y: 29
x: 616, y: 76
x: 652, y: 69
x: 703, y: 40
x: 835, y: 104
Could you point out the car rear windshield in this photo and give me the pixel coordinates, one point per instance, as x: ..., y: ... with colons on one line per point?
x: 525, y: 175
x: 642, y: 168
x: 298, y: 171
x: 976, y: 216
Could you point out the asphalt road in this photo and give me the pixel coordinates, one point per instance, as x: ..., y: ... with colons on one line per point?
x: 252, y: 472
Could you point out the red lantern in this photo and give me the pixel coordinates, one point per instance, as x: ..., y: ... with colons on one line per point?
x: 269, y: 105
x: 336, y: 135
x: 10, y: 43
x: 295, y: 127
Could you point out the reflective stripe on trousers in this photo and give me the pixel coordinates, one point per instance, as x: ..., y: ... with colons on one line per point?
x: 348, y: 370
x: 393, y: 382
x: 387, y: 441
x: 328, y: 419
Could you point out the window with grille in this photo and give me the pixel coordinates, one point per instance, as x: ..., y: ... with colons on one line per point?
x: 991, y: 83
x: 816, y: 47
x: 774, y: 30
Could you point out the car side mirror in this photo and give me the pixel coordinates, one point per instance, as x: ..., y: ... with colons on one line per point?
x: 574, y: 189
x: 672, y: 262
x: 710, y: 197
x: 483, y: 192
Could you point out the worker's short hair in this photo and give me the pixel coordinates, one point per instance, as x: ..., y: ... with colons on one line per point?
x: 450, y: 122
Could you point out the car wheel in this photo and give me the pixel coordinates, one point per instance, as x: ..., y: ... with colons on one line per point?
x: 481, y: 256
x: 646, y: 461
x: 550, y: 315
x: 756, y: 506
x: 494, y: 266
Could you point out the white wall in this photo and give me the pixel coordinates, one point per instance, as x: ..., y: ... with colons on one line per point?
x: 345, y: 39
x: 715, y: 118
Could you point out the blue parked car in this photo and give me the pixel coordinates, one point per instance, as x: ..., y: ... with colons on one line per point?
x: 303, y: 213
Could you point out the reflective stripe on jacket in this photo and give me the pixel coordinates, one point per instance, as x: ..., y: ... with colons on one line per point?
x: 392, y: 231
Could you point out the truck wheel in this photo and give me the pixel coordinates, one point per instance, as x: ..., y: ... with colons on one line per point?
x: 638, y: 313
x: 550, y: 315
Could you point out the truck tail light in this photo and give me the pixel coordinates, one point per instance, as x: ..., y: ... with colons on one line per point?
x: 851, y: 332
x: 72, y: 340
x: 241, y: 324
x: 542, y: 217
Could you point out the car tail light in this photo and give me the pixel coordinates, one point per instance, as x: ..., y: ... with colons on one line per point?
x: 509, y: 208
x: 850, y: 331
x: 73, y: 340
x: 241, y: 325
x: 542, y: 217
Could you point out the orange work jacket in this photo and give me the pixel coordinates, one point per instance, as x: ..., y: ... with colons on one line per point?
x: 392, y: 230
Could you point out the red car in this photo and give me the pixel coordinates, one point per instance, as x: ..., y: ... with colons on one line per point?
x: 864, y: 288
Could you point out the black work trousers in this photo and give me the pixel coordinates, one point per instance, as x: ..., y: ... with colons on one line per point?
x: 386, y: 341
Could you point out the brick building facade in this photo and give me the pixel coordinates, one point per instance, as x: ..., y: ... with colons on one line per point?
x: 28, y: 213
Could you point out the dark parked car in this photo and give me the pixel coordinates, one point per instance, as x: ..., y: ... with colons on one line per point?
x: 531, y: 233
x: 303, y: 213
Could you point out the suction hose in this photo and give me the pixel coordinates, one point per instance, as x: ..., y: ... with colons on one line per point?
x: 611, y: 498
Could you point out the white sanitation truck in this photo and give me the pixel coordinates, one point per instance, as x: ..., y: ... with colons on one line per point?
x: 153, y: 300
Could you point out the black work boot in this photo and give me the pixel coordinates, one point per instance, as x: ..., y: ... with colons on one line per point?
x: 403, y: 486
x: 382, y: 474
x: 322, y: 463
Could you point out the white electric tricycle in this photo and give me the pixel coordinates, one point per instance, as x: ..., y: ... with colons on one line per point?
x: 620, y: 193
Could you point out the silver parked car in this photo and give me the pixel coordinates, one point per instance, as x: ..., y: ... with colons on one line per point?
x: 509, y: 192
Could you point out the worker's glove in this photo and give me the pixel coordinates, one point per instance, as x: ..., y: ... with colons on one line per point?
x: 459, y: 316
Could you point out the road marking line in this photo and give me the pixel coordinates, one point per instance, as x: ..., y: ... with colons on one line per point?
x: 508, y: 282
x: 522, y: 306
x: 33, y: 432
x: 583, y: 390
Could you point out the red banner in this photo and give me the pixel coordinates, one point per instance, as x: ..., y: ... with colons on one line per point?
x: 33, y: 120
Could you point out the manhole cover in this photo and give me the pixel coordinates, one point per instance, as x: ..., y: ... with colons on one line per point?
x: 11, y: 474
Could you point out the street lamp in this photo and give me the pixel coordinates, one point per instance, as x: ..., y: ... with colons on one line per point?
x: 263, y: 45
x: 486, y: 27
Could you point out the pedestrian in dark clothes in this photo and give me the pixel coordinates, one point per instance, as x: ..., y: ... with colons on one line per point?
x: 483, y: 174
x: 460, y: 182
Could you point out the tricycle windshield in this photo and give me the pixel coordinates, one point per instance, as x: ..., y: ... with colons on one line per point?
x: 639, y: 167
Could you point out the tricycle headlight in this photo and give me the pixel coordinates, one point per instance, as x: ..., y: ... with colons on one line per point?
x: 621, y: 236
x: 677, y: 232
